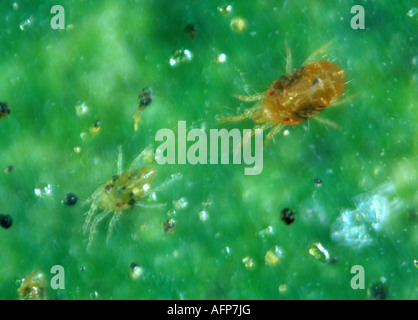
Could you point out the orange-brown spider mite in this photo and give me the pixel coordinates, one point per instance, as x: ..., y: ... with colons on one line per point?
x: 295, y: 96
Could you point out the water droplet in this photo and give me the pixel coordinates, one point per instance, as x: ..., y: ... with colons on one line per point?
x: 238, y: 24
x: 318, y: 182
x: 226, y: 251
x: 412, y: 12
x: 25, y: 24
x: 416, y: 263
x: 248, y: 262
x: 77, y: 149
x: 15, y: 5
x: 318, y: 252
x: 356, y: 227
x: 180, y: 203
x: 274, y: 256
x: 180, y: 56
x: 83, y: 135
x: 266, y: 232
x: 203, y: 215
x: 220, y: 58
x: 43, y: 190
x: 135, y: 271
x: 282, y: 288
x: 225, y: 9
x: 81, y: 109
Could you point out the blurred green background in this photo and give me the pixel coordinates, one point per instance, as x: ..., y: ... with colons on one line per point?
x: 109, y: 51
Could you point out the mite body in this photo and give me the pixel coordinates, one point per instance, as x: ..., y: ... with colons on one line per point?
x: 294, y: 97
x: 121, y: 192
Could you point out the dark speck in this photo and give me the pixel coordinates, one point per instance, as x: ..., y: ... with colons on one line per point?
x: 287, y: 216
x: 70, y: 199
x: 6, y: 221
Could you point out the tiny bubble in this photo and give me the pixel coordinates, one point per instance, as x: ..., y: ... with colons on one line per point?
x: 203, y: 215
x: 180, y: 203
x: 135, y: 271
x: 42, y: 190
x: 412, y: 12
x: 180, y: 56
x: 25, y: 24
x: 238, y: 24
x: 248, y: 262
x: 318, y: 182
x: 81, y: 109
x: 225, y: 9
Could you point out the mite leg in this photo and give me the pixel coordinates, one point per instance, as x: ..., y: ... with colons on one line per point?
x: 247, y: 137
x: 93, y: 196
x: 112, y: 223
x: 146, y: 154
x: 314, y: 55
x: 173, y: 178
x: 90, y: 215
x: 120, y: 159
x: 239, y: 117
x: 288, y: 59
x: 272, y: 133
x: 327, y: 122
x: 250, y: 98
x: 93, y: 228
x: 150, y: 205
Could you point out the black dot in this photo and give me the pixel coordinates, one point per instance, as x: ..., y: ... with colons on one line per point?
x: 191, y: 30
x: 6, y: 221
x: 70, y: 199
x: 377, y: 291
x: 287, y: 216
x: 318, y: 182
x: 4, y: 110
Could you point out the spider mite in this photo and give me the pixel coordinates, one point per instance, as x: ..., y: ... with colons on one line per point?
x: 123, y: 191
x: 294, y: 97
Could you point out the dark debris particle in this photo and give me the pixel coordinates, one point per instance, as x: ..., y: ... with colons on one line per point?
x: 169, y: 226
x: 377, y: 291
x: 70, y: 199
x: 131, y: 202
x: 144, y: 98
x: 9, y: 169
x: 191, y: 30
x: 287, y: 216
x: 6, y: 221
x: 4, y: 110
